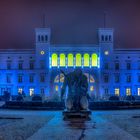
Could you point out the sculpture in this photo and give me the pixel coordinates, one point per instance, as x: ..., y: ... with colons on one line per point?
x: 77, y: 97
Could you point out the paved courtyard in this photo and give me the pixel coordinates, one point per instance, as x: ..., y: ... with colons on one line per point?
x: 49, y: 125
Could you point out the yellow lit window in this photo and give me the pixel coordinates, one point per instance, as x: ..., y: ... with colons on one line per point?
x: 78, y: 60
x: 70, y: 60
x: 94, y: 60
x: 86, y: 60
x: 117, y: 91
x: 54, y: 60
x: 91, y: 88
x: 62, y: 60
x: 128, y: 91
x: 56, y: 88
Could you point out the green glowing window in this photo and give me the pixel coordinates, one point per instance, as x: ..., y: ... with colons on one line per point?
x: 86, y: 60
x: 62, y: 60
x: 70, y: 60
x: 78, y: 60
x: 94, y: 60
x: 54, y: 60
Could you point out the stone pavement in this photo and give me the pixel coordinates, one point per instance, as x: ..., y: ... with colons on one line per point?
x: 96, y: 129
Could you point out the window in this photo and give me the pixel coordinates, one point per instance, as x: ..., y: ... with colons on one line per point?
x: 138, y: 91
x: 91, y: 88
x: 70, y: 60
x: 109, y: 37
x: 117, y: 66
x: 54, y: 60
x: 31, y: 78
x: 128, y: 91
x: 128, y: 65
x: 20, y: 90
x: 42, y: 78
x: 117, y: 78
x: 56, y: 88
x: 62, y: 60
x: 46, y: 38
x: 139, y: 78
x: 128, y: 78
x: 106, y: 38
x: 42, y: 64
x: 106, y: 66
x: 31, y: 91
x: 38, y: 38
x: 42, y: 91
x: 106, y: 90
x: 94, y: 60
x: 106, y: 78
x: 86, y: 60
x: 102, y: 37
x: 20, y: 65
x: 117, y: 91
x: 31, y: 65
x: 8, y: 78
x: 20, y: 78
x: 42, y: 38
x: 78, y: 60
x: 8, y: 65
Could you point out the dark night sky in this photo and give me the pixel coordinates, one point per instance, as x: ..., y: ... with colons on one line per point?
x: 71, y: 21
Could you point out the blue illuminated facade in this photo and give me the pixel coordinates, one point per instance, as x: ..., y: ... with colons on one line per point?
x: 109, y: 71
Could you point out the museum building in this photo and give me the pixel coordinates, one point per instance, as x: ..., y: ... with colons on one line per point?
x: 109, y: 71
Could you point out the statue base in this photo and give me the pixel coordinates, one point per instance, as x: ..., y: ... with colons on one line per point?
x: 82, y: 114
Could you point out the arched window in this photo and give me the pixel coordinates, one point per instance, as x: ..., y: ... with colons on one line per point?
x: 78, y: 60
x: 94, y: 60
x: 62, y: 60
x: 70, y: 60
x: 54, y: 60
x: 86, y: 60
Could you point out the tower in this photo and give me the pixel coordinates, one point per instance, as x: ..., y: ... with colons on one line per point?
x: 42, y: 36
x: 105, y: 36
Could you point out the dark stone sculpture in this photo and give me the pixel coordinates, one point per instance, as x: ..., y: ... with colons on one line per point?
x: 77, y: 97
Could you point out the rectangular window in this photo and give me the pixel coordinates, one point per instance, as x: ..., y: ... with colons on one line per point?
x: 128, y: 78
x: 128, y: 65
x: 106, y: 66
x: 106, y: 90
x: 128, y: 91
x: 117, y: 78
x: 20, y: 65
x: 8, y: 65
x: 42, y: 78
x: 20, y: 90
x: 20, y: 78
x: 8, y: 78
x: 106, y: 78
x: 117, y: 91
x: 31, y: 78
x: 117, y: 66
x: 42, y: 64
x: 139, y: 78
x: 138, y: 91
x: 42, y: 90
x: 31, y: 91
x: 31, y: 65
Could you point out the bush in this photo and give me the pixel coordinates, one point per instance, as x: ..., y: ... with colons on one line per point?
x: 19, y: 98
x: 114, y: 98
x: 130, y: 98
x: 36, y: 98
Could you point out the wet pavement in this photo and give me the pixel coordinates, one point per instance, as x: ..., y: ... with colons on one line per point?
x: 104, y: 125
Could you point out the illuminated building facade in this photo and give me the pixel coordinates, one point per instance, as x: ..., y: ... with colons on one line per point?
x: 37, y: 71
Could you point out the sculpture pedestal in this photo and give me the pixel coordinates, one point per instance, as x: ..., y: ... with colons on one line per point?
x: 82, y: 114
